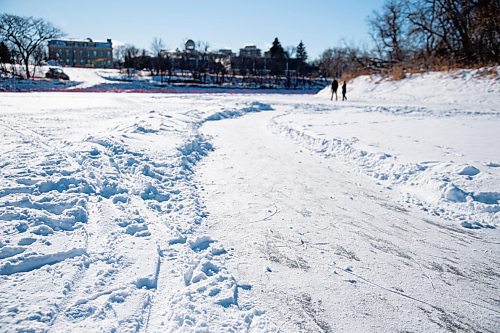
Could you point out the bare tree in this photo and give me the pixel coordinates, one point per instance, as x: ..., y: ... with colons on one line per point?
x: 388, y: 30
x: 202, y: 46
x: 335, y: 61
x: 424, y: 19
x: 473, y: 27
x: 38, y: 56
x: 328, y: 63
x: 130, y: 53
x: 157, y: 45
x: 25, y: 36
x: 461, y: 31
x: 119, y: 54
x: 487, y: 30
x: 158, y: 63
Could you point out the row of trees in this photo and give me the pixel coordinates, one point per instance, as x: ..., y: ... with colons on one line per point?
x: 23, y: 40
x: 422, y: 34
x: 342, y: 60
x: 279, y: 62
x: 464, y: 31
x: 204, y: 66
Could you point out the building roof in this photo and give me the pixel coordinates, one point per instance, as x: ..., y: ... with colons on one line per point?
x: 82, y: 40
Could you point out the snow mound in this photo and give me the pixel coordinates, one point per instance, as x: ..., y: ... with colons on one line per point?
x: 433, y: 186
x: 479, y: 87
x: 254, y: 106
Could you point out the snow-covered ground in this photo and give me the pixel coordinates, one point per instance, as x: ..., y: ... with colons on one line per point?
x: 79, y: 79
x: 220, y: 212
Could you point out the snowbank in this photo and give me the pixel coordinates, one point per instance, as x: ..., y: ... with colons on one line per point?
x: 480, y: 87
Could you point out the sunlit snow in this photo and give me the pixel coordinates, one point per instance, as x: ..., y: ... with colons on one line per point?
x: 152, y: 212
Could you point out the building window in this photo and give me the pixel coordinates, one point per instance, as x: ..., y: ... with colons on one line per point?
x: 81, y: 53
x: 81, y: 61
x: 95, y: 53
x: 88, y: 54
x: 108, y: 54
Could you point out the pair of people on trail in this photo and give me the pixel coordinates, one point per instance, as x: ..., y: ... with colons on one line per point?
x: 335, y: 87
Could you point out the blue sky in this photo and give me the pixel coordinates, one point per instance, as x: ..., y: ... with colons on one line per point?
x: 222, y: 23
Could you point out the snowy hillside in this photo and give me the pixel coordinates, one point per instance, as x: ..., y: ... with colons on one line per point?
x: 457, y: 88
x: 253, y: 212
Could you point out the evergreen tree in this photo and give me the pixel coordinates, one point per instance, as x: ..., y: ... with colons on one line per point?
x: 301, y: 57
x: 277, y: 51
x: 301, y: 52
x: 277, y: 57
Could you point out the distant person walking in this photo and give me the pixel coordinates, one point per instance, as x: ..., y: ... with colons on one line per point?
x: 335, y: 86
x: 344, y: 90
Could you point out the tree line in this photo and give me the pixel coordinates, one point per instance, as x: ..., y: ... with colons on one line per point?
x: 406, y: 34
x: 464, y: 31
x: 423, y: 34
x: 23, y: 41
x: 279, y: 61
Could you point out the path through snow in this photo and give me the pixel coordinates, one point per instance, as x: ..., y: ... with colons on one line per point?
x: 327, y: 249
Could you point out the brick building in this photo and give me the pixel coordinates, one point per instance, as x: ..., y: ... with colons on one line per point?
x: 82, y: 52
x: 250, y: 51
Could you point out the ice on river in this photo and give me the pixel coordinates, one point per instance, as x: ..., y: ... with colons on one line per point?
x: 219, y: 212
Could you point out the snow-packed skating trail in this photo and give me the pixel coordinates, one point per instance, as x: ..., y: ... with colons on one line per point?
x: 230, y: 213
x: 327, y: 250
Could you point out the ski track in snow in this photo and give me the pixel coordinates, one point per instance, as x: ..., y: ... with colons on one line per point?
x: 102, y: 205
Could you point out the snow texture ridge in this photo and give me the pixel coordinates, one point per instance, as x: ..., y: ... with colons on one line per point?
x: 433, y: 186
